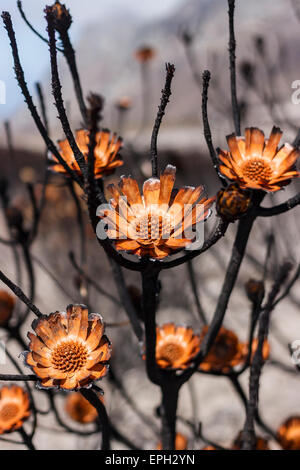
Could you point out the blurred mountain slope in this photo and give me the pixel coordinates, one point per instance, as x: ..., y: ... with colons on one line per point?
x: 105, y: 55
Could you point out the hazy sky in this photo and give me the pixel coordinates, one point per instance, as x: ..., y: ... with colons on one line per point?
x: 32, y: 50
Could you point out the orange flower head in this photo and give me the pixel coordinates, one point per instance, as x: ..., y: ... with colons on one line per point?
x: 62, y: 17
x: 145, y: 54
x: 176, y: 346
x: 7, y: 304
x: 256, y: 163
x: 68, y: 350
x: 123, y: 104
x: 233, y: 202
x: 79, y: 409
x: 14, y: 408
x: 209, y: 447
x: 225, y: 353
x: 27, y: 174
x: 261, y: 443
x: 106, y: 156
x: 158, y: 222
x: 289, y: 433
x: 265, y: 349
x: 181, y: 442
x: 255, y: 290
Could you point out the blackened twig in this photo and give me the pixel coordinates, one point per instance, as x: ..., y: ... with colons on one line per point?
x: 125, y: 299
x: 256, y: 309
x: 280, y: 208
x: 36, y: 214
x: 19, y: 4
x: 53, y: 277
x: 206, y: 440
x: 124, y: 394
x: 9, y: 140
x: 31, y: 277
x: 56, y: 90
x: 288, y: 287
x: 18, y: 378
x: 166, y: 93
x: 23, y: 85
x: 19, y: 293
x: 121, y: 438
x: 232, y: 58
x: 91, y: 281
x: 93, y: 399
x: 200, y: 310
x: 80, y: 223
x: 11, y: 441
x: 69, y: 54
x: 280, y: 365
x: 258, y: 362
x: 39, y: 90
x: 149, y: 301
x: 92, y: 189
x: 238, y: 388
x: 5, y: 202
x: 296, y: 141
x: 26, y: 439
x: 237, y: 255
x: 53, y: 407
x: 270, y: 244
x: 206, y: 126
x: 170, y: 394
x: 217, y: 233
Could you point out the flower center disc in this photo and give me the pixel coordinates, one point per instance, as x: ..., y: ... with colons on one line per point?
x: 256, y: 169
x: 171, y: 352
x: 293, y: 434
x: 8, y: 412
x: 153, y: 227
x: 69, y: 356
x: 224, y: 350
x: 81, y: 410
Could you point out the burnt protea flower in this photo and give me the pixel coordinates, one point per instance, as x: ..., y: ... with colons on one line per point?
x: 68, y: 350
x: 157, y: 222
x: 14, y: 408
x: 255, y: 290
x: 7, y: 304
x: 145, y: 54
x: 124, y: 103
x: 256, y: 163
x: 233, y: 202
x: 289, y: 433
x: 79, y: 409
x: 106, y: 156
x: 265, y: 349
x: 62, y: 17
x: 176, y: 346
x: 225, y: 353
